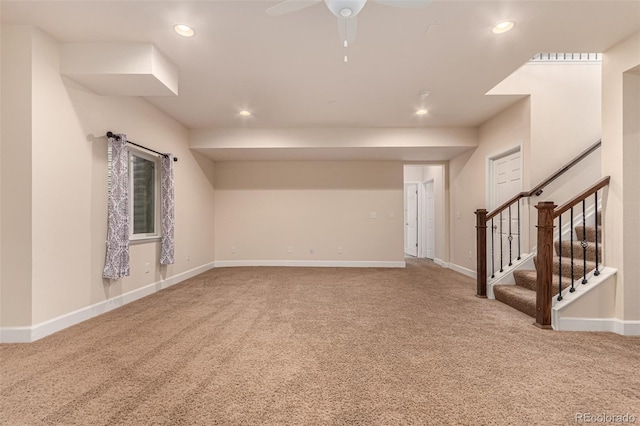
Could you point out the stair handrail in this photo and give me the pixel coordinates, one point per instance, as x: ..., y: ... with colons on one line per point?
x: 482, y: 217
x: 538, y: 189
x: 547, y: 213
x: 583, y: 195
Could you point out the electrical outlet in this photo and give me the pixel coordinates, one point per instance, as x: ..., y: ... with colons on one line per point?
x: 147, y: 268
x: 289, y: 249
x: 233, y: 250
x: 372, y: 215
x: 339, y: 250
x: 188, y: 258
x: 470, y: 254
x: 312, y: 250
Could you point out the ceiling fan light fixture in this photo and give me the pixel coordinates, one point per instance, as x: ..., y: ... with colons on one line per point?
x: 184, y: 30
x: 345, y: 8
x: 421, y: 112
x: 503, y: 27
x: 245, y: 113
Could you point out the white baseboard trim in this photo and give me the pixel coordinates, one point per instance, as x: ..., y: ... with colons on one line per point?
x: 46, y: 328
x: 313, y: 263
x: 441, y: 262
x: 464, y: 271
x: 613, y: 325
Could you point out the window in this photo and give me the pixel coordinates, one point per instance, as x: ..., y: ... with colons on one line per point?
x: 144, y: 195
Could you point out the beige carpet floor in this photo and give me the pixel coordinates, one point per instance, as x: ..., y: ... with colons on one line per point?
x: 330, y: 346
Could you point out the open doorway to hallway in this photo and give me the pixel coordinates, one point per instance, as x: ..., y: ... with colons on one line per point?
x: 423, y: 210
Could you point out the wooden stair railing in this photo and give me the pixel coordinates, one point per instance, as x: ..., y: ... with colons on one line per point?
x: 483, y: 217
x: 547, y: 213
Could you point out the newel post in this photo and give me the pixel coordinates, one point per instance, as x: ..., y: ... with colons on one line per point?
x: 481, y: 252
x: 544, y: 264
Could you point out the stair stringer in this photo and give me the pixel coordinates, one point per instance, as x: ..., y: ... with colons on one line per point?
x: 590, y: 308
x: 506, y: 277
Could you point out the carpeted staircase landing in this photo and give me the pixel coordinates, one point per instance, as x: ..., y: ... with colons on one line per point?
x: 522, y: 295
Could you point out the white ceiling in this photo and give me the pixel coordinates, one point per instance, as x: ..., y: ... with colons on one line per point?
x: 289, y: 70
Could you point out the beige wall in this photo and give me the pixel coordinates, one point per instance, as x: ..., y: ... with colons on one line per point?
x: 620, y: 159
x: 263, y: 208
x: 565, y: 111
x: 67, y: 166
x: 467, y: 174
x: 15, y: 168
x: 333, y: 138
x: 559, y: 120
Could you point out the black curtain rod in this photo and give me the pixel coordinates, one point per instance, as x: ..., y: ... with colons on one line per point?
x: 113, y: 135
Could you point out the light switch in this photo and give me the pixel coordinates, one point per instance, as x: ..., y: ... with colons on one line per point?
x: 372, y: 215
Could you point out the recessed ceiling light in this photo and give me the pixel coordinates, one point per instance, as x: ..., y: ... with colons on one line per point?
x: 184, y: 30
x: 245, y: 113
x: 503, y: 27
x: 422, y: 112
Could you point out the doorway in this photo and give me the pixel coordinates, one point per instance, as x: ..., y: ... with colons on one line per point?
x: 424, y: 211
x: 505, y: 173
x: 411, y: 215
x: 429, y: 220
x: 505, y: 181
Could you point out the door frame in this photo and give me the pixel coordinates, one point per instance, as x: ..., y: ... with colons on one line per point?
x: 441, y: 225
x: 490, y: 193
x: 418, y: 213
x: 422, y: 202
x: 490, y: 171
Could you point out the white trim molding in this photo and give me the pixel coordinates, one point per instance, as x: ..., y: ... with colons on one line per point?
x: 441, y: 262
x: 567, y: 57
x: 313, y: 263
x: 489, y: 169
x: 462, y: 270
x: 600, y: 288
x: 613, y: 325
x: 46, y: 328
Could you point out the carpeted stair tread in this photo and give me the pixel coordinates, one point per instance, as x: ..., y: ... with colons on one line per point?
x: 525, y: 278
x: 520, y: 298
x: 591, y: 233
x: 528, y: 279
x: 578, y: 266
x: 522, y: 295
x: 578, y: 252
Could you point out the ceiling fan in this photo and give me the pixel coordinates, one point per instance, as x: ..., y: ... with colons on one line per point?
x: 345, y: 10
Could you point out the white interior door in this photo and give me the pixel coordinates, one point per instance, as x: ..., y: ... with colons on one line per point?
x: 507, y: 182
x: 411, y: 219
x: 429, y: 220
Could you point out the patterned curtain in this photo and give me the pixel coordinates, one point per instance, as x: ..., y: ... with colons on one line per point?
x: 166, y: 252
x: 116, y: 264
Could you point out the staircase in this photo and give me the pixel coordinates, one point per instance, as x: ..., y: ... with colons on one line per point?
x: 522, y: 295
x: 557, y: 264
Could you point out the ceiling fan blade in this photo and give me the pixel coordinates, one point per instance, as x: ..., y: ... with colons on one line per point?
x: 347, y: 28
x: 411, y: 4
x: 289, y: 6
